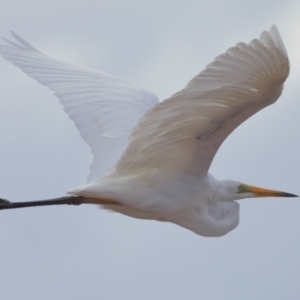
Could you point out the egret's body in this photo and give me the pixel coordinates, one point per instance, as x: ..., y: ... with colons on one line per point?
x: 200, y: 205
x: 151, y: 159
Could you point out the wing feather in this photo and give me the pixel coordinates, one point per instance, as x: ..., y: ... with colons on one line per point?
x: 103, y: 108
x: 184, y: 132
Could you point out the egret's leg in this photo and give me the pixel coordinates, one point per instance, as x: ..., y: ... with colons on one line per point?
x: 69, y: 200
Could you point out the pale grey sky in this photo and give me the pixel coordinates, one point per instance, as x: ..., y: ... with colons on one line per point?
x: 85, y: 253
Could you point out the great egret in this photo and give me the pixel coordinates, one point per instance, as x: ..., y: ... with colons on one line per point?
x: 158, y: 154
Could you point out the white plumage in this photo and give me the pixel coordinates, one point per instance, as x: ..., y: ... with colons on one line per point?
x: 153, y: 158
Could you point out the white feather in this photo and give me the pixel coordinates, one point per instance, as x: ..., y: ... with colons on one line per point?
x: 184, y: 132
x: 163, y: 172
x: 103, y: 108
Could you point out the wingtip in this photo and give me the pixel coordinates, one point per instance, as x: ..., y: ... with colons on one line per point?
x: 274, y: 31
x: 14, y: 35
x: 11, y: 43
x: 272, y: 38
x: 21, y: 41
x: 274, y: 27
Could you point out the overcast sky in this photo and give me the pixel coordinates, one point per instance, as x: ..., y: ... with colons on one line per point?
x: 86, y: 253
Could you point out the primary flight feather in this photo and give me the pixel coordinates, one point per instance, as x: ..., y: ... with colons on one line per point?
x: 151, y: 159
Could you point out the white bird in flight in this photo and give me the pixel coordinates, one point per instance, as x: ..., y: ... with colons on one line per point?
x: 151, y: 159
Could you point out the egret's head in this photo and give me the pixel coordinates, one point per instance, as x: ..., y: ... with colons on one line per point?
x: 248, y: 191
x: 234, y: 190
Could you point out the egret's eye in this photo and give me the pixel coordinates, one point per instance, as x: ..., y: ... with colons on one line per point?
x: 241, y: 188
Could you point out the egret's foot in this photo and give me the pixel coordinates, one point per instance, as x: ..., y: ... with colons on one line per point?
x: 3, y: 201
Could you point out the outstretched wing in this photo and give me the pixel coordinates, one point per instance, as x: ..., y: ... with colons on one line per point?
x: 184, y: 132
x: 103, y: 108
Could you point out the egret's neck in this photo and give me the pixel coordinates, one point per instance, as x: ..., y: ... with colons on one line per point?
x: 217, y: 213
x: 222, y: 209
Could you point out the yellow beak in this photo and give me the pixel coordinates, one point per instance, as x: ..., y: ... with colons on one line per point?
x: 260, y: 192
